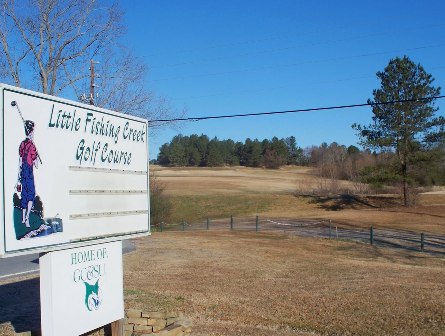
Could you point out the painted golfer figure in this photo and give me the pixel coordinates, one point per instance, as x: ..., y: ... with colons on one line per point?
x: 27, y: 161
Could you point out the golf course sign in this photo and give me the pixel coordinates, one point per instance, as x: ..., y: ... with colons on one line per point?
x: 72, y: 174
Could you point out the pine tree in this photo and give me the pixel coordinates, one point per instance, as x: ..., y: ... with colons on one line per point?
x: 404, y: 128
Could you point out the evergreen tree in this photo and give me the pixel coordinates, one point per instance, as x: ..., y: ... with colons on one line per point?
x: 240, y: 153
x: 405, y: 128
x: 254, y: 153
x: 215, y: 157
x: 177, y: 154
x: 228, y: 152
x: 164, y: 155
x: 295, y: 153
x: 192, y: 154
x: 280, y: 147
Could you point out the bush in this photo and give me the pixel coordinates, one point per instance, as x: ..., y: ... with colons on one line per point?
x: 160, y: 204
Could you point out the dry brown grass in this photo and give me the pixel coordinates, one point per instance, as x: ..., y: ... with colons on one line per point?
x: 258, y: 284
x: 241, y: 283
x: 233, y: 283
x: 235, y: 180
x: 198, y: 193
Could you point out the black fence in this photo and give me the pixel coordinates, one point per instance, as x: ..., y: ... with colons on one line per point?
x: 409, y: 240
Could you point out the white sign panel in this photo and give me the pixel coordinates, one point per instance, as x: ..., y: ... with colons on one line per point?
x: 81, y: 289
x: 71, y: 173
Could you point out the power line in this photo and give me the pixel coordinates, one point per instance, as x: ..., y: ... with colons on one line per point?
x: 297, y: 111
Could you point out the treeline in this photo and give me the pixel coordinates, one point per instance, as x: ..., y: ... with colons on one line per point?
x: 333, y: 160
x: 200, y: 151
x: 377, y: 169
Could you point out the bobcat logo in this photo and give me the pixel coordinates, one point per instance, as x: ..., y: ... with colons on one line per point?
x: 93, y: 298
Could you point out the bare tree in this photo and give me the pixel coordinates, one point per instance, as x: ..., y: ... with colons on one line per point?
x: 53, y: 40
x: 120, y: 86
x: 47, y: 46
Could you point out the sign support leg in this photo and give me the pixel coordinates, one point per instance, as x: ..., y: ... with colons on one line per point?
x: 117, y: 328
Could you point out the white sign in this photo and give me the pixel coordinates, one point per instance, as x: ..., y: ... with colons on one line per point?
x: 81, y: 289
x: 71, y: 173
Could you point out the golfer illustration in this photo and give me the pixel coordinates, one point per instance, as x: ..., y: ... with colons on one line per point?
x: 28, y: 156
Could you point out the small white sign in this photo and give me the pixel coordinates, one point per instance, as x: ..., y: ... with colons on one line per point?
x: 71, y: 173
x: 81, y: 289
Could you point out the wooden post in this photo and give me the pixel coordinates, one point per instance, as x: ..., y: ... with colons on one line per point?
x: 330, y: 230
x: 371, y: 235
x: 231, y: 222
x: 256, y: 224
x: 183, y: 225
x: 422, y: 242
x: 207, y: 223
x: 162, y: 226
x: 117, y: 328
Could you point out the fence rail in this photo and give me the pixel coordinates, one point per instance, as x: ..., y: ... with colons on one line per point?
x: 415, y: 241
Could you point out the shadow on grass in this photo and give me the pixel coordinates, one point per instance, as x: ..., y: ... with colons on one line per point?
x: 347, y: 201
x: 20, y: 305
x: 422, y: 213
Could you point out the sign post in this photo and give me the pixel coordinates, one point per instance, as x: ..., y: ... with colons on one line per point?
x: 117, y: 328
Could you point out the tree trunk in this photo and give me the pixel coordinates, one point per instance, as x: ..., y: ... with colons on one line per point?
x: 405, y: 184
x: 405, y: 193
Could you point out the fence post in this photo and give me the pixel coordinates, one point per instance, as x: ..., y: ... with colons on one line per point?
x: 162, y: 226
x: 183, y: 225
x: 231, y: 222
x: 422, y: 242
x: 256, y: 224
x: 330, y: 229
x: 371, y: 235
x: 207, y: 223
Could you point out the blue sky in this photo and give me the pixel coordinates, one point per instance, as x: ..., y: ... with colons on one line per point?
x: 232, y: 57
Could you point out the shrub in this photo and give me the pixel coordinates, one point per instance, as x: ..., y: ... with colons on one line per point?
x: 160, y: 204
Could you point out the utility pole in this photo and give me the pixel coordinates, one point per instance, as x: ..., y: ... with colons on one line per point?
x: 91, y: 99
x: 92, y: 83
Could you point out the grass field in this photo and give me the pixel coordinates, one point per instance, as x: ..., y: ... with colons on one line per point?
x: 198, y: 193
x: 237, y: 283
x: 241, y: 283
x: 258, y: 284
